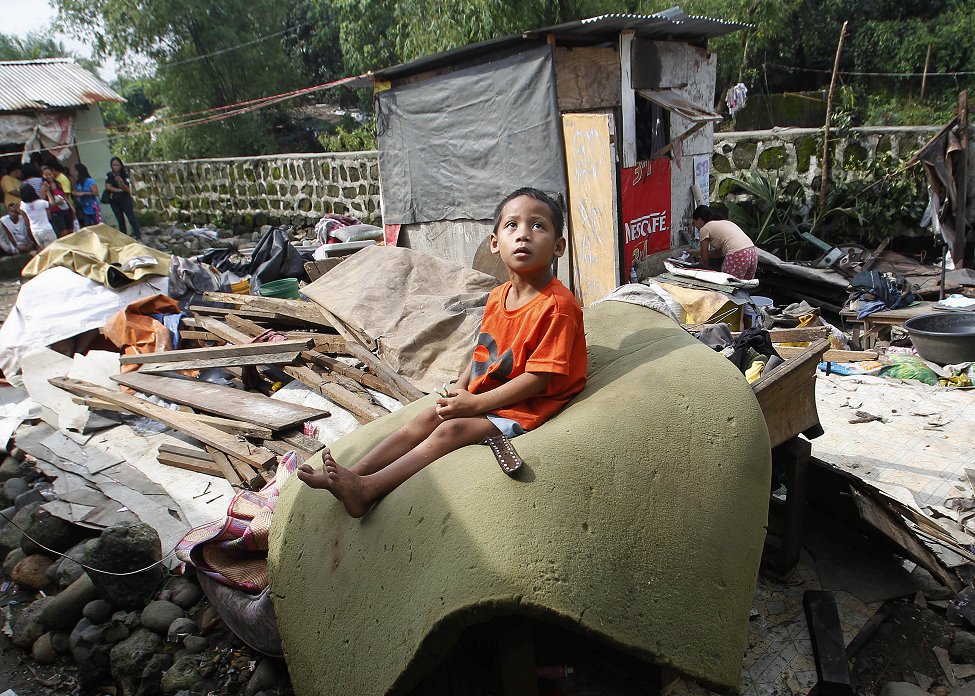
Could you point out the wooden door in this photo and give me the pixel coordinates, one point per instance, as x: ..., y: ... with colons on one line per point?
x: 593, y: 230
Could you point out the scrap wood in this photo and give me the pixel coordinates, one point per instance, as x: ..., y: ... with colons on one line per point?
x: 250, y: 476
x: 826, y: 635
x: 830, y: 355
x: 805, y: 333
x: 233, y: 361
x: 217, y: 352
x: 228, y: 424
x: 183, y: 422
x: 864, y: 417
x: 226, y: 332
x: 299, y: 309
x: 405, y: 392
x: 180, y: 461
x: 256, y: 409
x: 363, y: 409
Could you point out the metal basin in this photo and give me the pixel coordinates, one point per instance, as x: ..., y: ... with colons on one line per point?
x: 944, y: 338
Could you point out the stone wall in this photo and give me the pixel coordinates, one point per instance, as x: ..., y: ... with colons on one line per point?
x: 794, y: 154
x: 247, y: 192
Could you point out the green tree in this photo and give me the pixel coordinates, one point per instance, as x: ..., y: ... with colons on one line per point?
x: 39, y: 44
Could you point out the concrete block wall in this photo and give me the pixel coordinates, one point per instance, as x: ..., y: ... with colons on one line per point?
x: 247, y: 192
x: 794, y: 154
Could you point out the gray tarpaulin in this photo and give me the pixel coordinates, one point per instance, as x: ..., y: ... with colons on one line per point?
x: 453, y: 146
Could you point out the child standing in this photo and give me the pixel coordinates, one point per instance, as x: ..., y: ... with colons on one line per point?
x: 530, y: 360
x: 35, y: 209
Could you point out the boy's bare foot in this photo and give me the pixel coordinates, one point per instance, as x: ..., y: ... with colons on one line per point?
x: 340, y: 482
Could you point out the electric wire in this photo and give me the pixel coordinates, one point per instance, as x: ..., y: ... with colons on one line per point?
x: 84, y: 565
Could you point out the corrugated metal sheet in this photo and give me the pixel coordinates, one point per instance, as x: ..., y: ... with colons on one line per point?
x: 52, y: 83
x: 668, y: 24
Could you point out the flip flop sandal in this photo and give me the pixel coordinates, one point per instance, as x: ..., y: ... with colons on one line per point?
x: 504, y: 452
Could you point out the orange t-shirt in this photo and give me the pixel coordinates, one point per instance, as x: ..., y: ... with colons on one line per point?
x: 546, y: 335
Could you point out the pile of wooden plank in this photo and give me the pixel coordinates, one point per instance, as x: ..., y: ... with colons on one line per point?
x: 241, y: 431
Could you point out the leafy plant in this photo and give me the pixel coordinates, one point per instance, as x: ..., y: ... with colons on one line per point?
x: 769, y: 213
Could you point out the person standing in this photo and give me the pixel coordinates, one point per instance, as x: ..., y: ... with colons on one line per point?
x: 35, y: 210
x: 10, y: 184
x: 62, y: 217
x: 119, y: 187
x: 31, y: 174
x: 85, y: 195
x: 723, y: 238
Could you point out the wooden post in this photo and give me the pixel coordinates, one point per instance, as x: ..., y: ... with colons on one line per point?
x: 628, y: 98
x: 924, y: 78
x: 961, y: 184
x: 824, y: 180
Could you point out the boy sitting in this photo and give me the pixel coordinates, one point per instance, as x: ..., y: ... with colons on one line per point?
x: 530, y: 360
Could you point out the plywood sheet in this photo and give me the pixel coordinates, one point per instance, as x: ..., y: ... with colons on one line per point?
x: 222, y: 401
x: 591, y: 165
x: 587, y: 77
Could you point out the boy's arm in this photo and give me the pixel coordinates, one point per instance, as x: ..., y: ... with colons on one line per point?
x: 465, y: 377
x: 460, y: 403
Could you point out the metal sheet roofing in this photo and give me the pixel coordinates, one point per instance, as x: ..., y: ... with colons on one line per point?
x: 668, y: 24
x: 51, y: 83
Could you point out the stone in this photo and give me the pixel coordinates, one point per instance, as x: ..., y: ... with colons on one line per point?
x: 183, y: 675
x: 131, y: 658
x: 68, y: 569
x: 98, y: 611
x: 116, y: 631
x: 122, y: 549
x: 43, y: 650
x: 61, y: 642
x: 194, y: 644
x: 180, y: 629
x: 159, y: 615
x: 84, y: 638
x: 902, y: 689
x: 185, y: 592
x: 962, y: 648
x: 267, y: 674
x: 12, y: 488
x: 11, y: 468
x: 45, y: 529
x: 7, y: 514
x: 66, y: 608
x: 12, y: 559
x: 34, y: 495
x: 28, y: 625
x: 95, y: 672
x: 10, y: 535
x: 32, y: 572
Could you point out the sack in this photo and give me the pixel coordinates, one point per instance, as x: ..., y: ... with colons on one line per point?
x: 106, y: 196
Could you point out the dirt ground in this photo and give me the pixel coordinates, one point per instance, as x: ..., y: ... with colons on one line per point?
x: 8, y: 295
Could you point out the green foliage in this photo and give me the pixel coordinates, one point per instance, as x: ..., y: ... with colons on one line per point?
x: 350, y: 137
x: 770, y: 214
x: 39, y: 44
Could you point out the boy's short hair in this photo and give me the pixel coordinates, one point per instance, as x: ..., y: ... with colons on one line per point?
x: 558, y: 219
x: 27, y: 193
x: 702, y: 212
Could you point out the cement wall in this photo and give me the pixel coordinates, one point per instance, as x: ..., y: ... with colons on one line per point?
x: 794, y: 154
x: 247, y: 192
x: 93, y: 150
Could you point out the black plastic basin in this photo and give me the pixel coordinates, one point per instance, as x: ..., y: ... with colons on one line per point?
x: 945, y: 338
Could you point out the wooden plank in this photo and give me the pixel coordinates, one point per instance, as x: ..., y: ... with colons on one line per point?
x: 823, y: 620
x: 225, y: 331
x: 298, y: 309
x: 405, y: 392
x: 516, y: 661
x: 593, y: 232
x: 363, y: 409
x: 170, y: 448
x: 807, y: 333
x: 627, y: 98
x: 787, y: 395
x: 224, y: 401
x: 216, y: 352
x: 587, y: 77
x: 197, y: 335
x: 302, y: 441
x: 223, y: 464
x: 183, y: 422
x: 222, y: 311
x: 189, y: 464
x: 228, y: 424
x: 830, y: 355
x: 241, y: 361
x: 364, y: 378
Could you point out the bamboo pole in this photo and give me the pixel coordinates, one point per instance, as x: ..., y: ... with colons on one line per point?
x: 924, y: 78
x: 824, y: 180
x: 961, y: 182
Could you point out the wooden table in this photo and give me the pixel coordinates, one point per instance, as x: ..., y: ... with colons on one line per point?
x: 866, y: 331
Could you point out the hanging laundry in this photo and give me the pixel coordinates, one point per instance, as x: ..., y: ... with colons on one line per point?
x: 736, y: 97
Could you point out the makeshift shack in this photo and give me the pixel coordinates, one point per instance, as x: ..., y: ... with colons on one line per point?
x: 52, y: 104
x: 610, y: 114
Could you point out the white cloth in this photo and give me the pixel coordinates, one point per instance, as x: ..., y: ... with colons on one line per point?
x: 40, y: 226
x: 57, y: 304
x: 14, y: 234
x: 649, y: 295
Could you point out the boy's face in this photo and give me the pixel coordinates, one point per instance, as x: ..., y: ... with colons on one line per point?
x: 526, y: 237
x: 14, y: 211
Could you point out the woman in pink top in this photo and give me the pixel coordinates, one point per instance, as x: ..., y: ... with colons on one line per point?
x: 725, y: 238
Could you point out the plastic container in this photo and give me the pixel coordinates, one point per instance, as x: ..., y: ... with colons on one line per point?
x: 754, y: 310
x: 945, y: 338
x: 285, y: 288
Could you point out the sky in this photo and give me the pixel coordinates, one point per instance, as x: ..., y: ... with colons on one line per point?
x: 20, y: 17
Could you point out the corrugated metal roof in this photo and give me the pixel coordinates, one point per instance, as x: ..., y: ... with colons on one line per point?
x: 668, y: 24
x: 51, y: 83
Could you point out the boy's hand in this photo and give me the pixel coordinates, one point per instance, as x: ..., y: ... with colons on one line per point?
x: 459, y: 403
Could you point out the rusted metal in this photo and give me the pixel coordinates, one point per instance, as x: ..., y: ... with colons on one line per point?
x: 52, y: 83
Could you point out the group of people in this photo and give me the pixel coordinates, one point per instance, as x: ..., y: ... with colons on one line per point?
x: 42, y: 204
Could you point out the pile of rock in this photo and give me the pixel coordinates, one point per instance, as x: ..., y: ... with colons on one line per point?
x: 78, y: 599
x: 187, y: 242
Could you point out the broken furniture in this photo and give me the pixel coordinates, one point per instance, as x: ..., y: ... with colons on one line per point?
x: 866, y: 331
x: 637, y: 520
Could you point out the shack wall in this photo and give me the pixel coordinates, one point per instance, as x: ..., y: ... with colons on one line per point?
x: 92, y: 139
